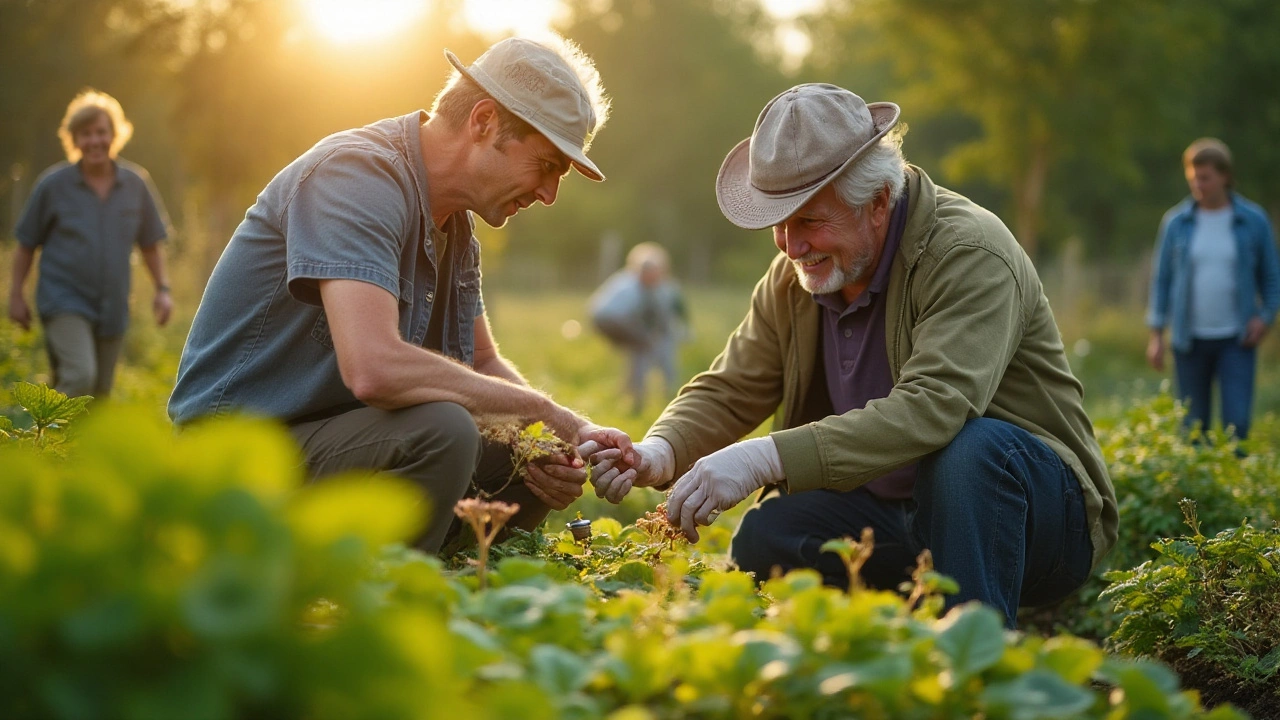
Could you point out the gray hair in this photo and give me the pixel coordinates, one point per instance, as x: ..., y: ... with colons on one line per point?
x: 882, y: 166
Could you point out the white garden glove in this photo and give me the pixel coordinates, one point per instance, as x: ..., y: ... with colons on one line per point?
x: 721, y: 480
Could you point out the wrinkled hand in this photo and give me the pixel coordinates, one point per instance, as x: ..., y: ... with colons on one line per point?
x: 162, y: 307
x: 556, y: 480
x: 721, y: 480
x: 1254, y: 332
x: 617, y: 465
x: 1155, y: 352
x: 20, y: 312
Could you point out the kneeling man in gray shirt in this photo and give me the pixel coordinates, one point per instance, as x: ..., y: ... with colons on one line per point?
x: 348, y: 302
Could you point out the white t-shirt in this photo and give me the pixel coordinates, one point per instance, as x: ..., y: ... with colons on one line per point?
x: 1213, y: 276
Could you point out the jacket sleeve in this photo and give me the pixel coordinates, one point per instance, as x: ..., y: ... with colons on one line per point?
x: 970, y: 323
x: 740, y: 390
x: 1161, y: 278
x: 1269, y: 272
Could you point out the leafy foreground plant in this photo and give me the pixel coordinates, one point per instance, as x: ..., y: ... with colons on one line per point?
x: 154, y: 576
x: 1210, y: 607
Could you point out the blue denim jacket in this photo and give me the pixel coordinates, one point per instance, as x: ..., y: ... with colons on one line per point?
x: 352, y: 207
x: 1257, y: 269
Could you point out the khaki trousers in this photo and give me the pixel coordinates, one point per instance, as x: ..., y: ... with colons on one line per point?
x: 435, y: 445
x: 83, y: 364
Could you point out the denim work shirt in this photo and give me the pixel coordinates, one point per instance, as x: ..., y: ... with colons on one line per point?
x: 1257, y: 269
x: 86, y: 242
x: 353, y: 207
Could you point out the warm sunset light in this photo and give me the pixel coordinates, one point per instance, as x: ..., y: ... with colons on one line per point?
x: 522, y: 17
x: 358, y: 20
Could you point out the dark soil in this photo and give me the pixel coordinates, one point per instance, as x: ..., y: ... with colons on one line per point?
x: 1217, y: 688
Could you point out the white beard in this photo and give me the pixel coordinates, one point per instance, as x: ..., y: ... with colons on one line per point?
x: 837, y: 278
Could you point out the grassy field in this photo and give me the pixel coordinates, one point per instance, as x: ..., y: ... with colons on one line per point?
x: 548, y: 336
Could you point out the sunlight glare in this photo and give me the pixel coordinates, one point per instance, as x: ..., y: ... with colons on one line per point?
x: 347, y: 21
x: 521, y: 17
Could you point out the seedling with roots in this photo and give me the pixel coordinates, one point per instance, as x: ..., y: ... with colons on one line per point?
x: 486, y: 520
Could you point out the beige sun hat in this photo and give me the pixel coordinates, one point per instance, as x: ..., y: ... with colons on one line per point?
x: 804, y: 138
x: 536, y: 84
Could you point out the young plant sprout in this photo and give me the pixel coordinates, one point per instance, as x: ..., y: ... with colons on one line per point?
x: 486, y: 519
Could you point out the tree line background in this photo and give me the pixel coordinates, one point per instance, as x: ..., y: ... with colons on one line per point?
x: 1066, y: 117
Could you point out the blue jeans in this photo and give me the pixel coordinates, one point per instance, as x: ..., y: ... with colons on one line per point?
x: 1233, y: 366
x: 1002, y: 514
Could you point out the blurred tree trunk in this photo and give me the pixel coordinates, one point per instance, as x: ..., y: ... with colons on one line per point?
x: 1028, y: 210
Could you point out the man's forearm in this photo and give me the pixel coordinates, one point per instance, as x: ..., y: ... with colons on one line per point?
x: 153, y: 256
x: 498, y: 367
x: 415, y: 376
x: 22, y: 260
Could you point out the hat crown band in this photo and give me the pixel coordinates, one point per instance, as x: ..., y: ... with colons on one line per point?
x: 806, y: 134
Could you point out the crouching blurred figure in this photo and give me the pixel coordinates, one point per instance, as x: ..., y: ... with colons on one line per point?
x: 641, y: 311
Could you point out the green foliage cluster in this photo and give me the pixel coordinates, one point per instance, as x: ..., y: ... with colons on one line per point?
x: 1154, y: 463
x: 50, y: 412
x: 1210, y: 605
x: 152, y: 575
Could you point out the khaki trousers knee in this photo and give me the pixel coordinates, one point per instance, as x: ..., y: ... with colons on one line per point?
x: 83, y: 364
x: 435, y: 445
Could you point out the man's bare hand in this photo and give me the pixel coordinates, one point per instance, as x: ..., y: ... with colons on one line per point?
x: 557, y: 480
x: 20, y: 312
x: 1155, y: 351
x: 1254, y: 332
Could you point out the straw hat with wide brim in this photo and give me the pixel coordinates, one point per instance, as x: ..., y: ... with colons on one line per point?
x: 536, y: 84
x: 804, y: 139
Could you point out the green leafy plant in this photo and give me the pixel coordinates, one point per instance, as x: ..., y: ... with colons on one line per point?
x: 528, y: 444
x: 1208, y: 605
x: 1154, y: 463
x: 150, y: 574
x: 49, y: 409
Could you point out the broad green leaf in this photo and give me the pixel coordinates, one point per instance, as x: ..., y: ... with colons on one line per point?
x: 972, y: 638
x: 883, y: 676
x: 1072, y: 658
x: 47, y: 406
x: 634, y: 573
x: 557, y: 671
x: 1037, y: 695
x: 377, y: 510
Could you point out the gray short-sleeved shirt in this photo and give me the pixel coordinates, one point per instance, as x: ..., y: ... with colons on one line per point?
x: 352, y: 207
x: 86, y: 241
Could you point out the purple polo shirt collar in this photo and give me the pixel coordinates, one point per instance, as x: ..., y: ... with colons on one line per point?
x: 854, y: 354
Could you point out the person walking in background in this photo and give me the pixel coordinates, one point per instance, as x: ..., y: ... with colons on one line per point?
x: 1216, y: 284
x: 641, y: 311
x: 86, y: 215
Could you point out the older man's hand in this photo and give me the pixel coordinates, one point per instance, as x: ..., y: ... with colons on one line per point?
x: 721, y: 480
x: 615, y: 470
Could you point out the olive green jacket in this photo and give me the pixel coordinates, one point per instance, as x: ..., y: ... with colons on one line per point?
x: 969, y: 334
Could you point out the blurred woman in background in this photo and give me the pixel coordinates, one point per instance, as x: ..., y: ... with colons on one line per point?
x: 86, y: 215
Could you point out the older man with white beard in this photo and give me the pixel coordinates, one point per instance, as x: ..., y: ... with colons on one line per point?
x: 917, y: 380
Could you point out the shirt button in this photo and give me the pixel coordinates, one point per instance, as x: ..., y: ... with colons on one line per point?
x: 848, y: 333
x: 430, y: 297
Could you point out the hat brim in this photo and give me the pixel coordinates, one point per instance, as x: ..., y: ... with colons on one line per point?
x: 751, y: 208
x: 571, y: 149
